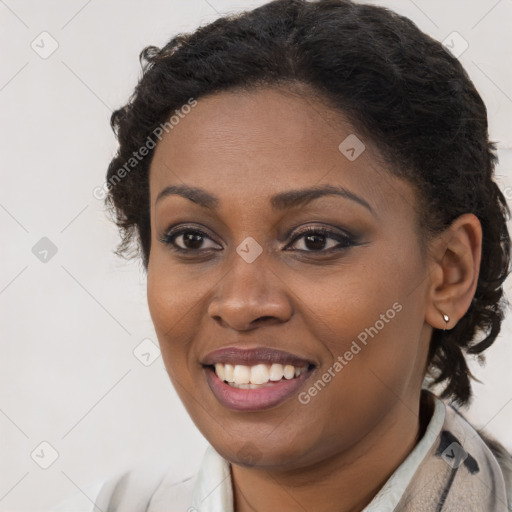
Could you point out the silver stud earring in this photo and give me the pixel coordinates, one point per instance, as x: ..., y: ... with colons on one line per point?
x: 446, y: 318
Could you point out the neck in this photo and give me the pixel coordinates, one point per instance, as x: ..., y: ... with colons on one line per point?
x: 343, y: 482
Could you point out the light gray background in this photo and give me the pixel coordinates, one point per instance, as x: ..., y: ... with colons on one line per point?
x: 68, y: 375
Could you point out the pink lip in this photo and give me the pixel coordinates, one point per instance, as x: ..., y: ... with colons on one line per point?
x: 250, y: 357
x: 253, y: 399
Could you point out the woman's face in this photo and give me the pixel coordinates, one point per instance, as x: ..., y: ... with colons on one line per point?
x: 347, y: 301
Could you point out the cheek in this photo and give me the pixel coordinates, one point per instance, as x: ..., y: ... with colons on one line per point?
x: 164, y: 305
x: 372, y: 318
x: 178, y: 301
x: 175, y: 294
x: 369, y: 324
x: 173, y: 303
x: 171, y: 307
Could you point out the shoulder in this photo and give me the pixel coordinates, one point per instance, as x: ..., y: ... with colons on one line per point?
x: 504, y: 459
x: 82, y: 500
x: 133, y: 490
x: 492, y: 453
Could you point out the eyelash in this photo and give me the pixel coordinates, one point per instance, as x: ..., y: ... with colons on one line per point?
x: 345, y: 241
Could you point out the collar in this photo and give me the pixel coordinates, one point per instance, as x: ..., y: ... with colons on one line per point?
x: 450, y: 469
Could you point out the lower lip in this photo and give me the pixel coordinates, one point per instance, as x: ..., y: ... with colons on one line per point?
x: 253, y: 399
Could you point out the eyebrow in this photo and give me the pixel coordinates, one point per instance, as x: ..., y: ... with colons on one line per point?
x: 281, y: 201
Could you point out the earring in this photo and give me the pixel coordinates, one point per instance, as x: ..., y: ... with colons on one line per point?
x: 446, y: 318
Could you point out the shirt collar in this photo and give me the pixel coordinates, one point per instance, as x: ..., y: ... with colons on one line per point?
x: 389, y: 495
x: 213, y: 490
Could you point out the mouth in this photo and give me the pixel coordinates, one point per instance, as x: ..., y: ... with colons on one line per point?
x: 257, y: 376
x: 251, y: 380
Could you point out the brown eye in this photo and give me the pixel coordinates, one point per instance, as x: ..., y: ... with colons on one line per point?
x: 322, y: 240
x: 191, y: 239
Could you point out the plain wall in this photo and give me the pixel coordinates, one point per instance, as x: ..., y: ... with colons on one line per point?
x: 68, y: 375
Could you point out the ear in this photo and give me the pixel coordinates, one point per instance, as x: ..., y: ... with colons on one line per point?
x: 454, y: 269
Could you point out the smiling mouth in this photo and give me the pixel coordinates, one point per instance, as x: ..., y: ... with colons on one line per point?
x: 245, y: 388
x: 257, y: 376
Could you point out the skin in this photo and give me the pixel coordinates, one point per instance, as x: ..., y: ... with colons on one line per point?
x: 335, y: 452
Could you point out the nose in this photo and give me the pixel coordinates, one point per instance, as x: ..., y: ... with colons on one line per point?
x: 250, y: 295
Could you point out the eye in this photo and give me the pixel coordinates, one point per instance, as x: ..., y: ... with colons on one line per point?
x: 191, y: 239
x: 315, y: 239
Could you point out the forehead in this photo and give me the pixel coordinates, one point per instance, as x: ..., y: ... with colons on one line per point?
x: 247, y: 145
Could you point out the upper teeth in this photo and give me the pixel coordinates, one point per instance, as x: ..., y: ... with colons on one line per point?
x: 257, y: 374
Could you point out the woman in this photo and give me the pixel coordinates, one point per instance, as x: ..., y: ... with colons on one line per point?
x: 310, y: 185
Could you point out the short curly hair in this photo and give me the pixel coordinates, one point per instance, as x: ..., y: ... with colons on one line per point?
x: 396, y: 85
